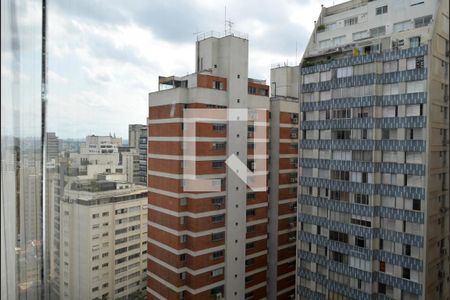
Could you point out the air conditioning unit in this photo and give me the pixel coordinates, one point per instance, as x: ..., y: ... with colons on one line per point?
x: 291, y: 224
x: 443, y: 209
x: 250, y: 134
x: 294, y: 135
x: 252, y: 165
x: 292, y: 296
x: 443, y: 251
x: 295, y: 120
x: 292, y: 180
x: 219, y: 296
x: 217, y: 205
x: 292, y: 238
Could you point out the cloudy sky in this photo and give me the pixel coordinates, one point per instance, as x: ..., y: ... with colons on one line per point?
x: 105, y: 56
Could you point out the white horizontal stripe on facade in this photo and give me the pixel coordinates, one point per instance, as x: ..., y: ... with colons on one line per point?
x: 186, y: 213
x: 286, y: 260
x: 288, y: 141
x: 185, y: 288
x: 186, y: 139
x: 287, y: 245
x: 150, y: 291
x: 180, y: 120
x: 257, y: 205
x: 287, y: 230
x: 286, y: 275
x: 255, y: 287
x: 256, y: 271
x: 185, y: 269
x: 186, y: 176
x: 287, y: 215
x: 257, y: 254
x: 186, y: 195
x: 258, y: 156
x: 288, y: 125
x: 256, y: 222
x: 187, y: 157
x: 185, y: 232
x: 256, y: 238
x: 287, y: 201
x: 185, y: 251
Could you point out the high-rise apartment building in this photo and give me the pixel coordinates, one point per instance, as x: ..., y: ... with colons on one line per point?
x: 210, y: 244
x: 373, y: 188
x: 282, y: 225
x: 102, y: 239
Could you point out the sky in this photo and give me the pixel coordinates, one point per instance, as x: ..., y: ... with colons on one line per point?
x: 106, y: 56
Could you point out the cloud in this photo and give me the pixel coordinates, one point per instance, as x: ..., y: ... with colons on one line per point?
x: 105, y: 57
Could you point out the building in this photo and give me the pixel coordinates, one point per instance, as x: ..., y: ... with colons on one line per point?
x: 373, y: 195
x: 284, y: 109
x: 103, y: 233
x: 129, y: 159
x: 53, y: 146
x: 137, y: 139
x: 208, y: 244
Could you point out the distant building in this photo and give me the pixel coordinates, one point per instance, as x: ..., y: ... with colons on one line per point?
x: 374, y: 153
x: 137, y: 139
x: 284, y: 116
x: 53, y: 146
x: 103, y: 239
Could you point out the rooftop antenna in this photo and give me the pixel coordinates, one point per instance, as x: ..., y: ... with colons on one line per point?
x: 228, y: 23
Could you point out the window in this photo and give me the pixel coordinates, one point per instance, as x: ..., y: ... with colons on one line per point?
x: 251, y: 212
x: 218, y: 218
x: 218, y: 236
x: 390, y: 66
x: 219, y: 127
x: 218, y: 254
x: 360, y: 35
x: 406, y: 273
x: 414, y: 42
x: 217, y: 272
x: 218, y: 164
x: 183, y: 275
x: 402, y: 26
x: 338, y: 236
x: 251, y: 228
x: 416, y: 204
x: 250, y: 245
x: 218, y: 85
x: 351, y: 21
x: 344, y: 72
x: 381, y: 10
x: 381, y: 288
x: 183, y: 238
x: 407, y: 250
x: 219, y: 201
x: 382, y: 266
x: 218, y: 146
x: 360, y: 241
x: 249, y: 261
x: 378, y: 31
x: 422, y: 21
x: 339, y: 40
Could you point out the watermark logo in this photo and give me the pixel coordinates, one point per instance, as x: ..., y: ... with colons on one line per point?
x: 197, y: 135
